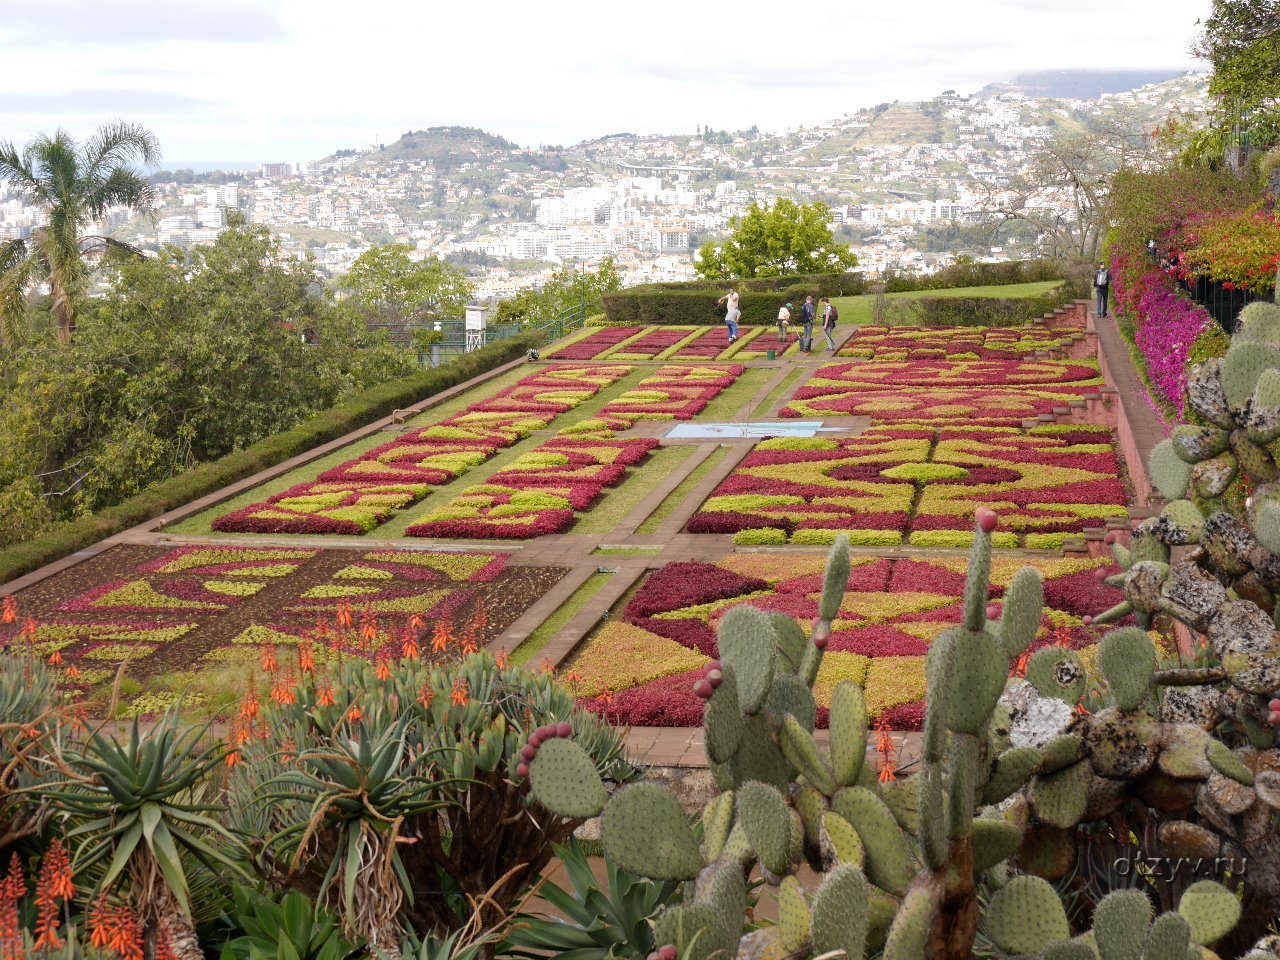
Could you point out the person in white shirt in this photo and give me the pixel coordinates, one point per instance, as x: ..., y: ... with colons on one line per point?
x: 784, y: 321
x: 732, y: 314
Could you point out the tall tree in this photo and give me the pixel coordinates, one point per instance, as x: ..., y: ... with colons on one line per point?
x: 75, y: 184
x: 385, y: 280
x: 1241, y: 38
x: 785, y: 238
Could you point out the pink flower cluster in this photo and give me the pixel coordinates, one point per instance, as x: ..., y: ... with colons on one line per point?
x: 1166, y: 323
x: 590, y: 347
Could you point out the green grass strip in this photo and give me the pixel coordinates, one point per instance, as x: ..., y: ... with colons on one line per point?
x: 536, y: 641
x: 677, y: 496
x: 617, y: 503
x: 783, y: 389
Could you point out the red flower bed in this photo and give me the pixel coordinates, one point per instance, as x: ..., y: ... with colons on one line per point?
x: 597, y: 343
x: 684, y: 584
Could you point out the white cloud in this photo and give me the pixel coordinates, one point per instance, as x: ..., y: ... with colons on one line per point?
x: 292, y: 79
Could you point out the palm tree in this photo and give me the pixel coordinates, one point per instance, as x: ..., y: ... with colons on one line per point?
x: 75, y: 183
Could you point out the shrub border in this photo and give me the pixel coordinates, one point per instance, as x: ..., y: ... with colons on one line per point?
x: 362, y: 414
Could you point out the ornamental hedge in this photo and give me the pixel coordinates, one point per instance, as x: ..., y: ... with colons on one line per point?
x: 204, y: 478
x: 986, y: 311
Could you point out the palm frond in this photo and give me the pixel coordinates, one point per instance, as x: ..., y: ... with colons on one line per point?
x: 15, y: 167
x: 122, y: 187
x: 116, y: 144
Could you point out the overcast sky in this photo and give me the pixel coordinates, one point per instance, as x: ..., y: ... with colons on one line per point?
x: 297, y: 79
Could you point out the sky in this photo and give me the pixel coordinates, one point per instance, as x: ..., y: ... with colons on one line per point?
x: 287, y: 80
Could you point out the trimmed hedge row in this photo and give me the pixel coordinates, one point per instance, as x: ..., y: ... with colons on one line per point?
x: 985, y: 311
x: 204, y: 478
x: 694, y: 302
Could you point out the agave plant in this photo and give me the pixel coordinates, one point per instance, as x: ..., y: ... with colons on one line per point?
x: 293, y: 929
x: 601, y: 921
x: 139, y: 808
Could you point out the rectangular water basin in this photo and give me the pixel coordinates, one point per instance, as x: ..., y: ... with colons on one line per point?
x: 743, y: 431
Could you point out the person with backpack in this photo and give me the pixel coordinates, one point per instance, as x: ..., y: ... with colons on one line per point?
x: 829, y: 317
x: 807, y: 313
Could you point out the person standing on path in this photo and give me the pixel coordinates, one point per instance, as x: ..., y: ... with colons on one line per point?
x: 807, y: 313
x: 732, y: 313
x: 1102, y: 283
x: 829, y: 317
x: 784, y: 321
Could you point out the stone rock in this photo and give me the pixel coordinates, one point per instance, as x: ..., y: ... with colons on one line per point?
x: 1200, y: 706
x: 1178, y: 838
x: 1239, y: 624
x: 1267, y: 785
x: 1194, y: 595
x: 1122, y: 745
x: 1034, y: 719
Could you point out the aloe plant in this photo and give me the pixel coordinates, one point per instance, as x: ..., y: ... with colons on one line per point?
x: 293, y: 929
x: 602, y: 921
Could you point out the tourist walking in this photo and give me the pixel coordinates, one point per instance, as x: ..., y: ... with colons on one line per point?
x: 829, y: 317
x: 807, y: 314
x: 731, y: 313
x: 784, y: 322
x: 1102, y: 283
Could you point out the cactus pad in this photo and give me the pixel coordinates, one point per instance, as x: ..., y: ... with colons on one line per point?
x: 1193, y: 444
x: 717, y: 821
x: 1206, y: 395
x: 1228, y: 764
x: 840, y: 912
x: 722, y: 721
x: 1169, y: 472
x: 1242, y: 367
x: 1259, y: 322
x: 1060, y: 798
x: 1025, y: 916
x: 645, y: 832
x: 790, y: 694
x: 801, y: 751
x: 1070, y: 950
x: 993, y: 842
x: 793, y: 915
x: 811, y: 805
x: 1263, y: 424
x: 563, y: 778
x: 1211, y: 478
x: 1128, y: 661
x: 1181, y: 523
x: 1020, y: 618
x: 1061, y: 751
x: 1057, y: 672
x: 766, y: 819
x: 1120, y: 924
x: 976, y: 678
x: 839, y: 842
x: 1211, y: 910
x: 902, y: 797
x: 1012, y: 768
x: 848, y: 725
x: 1168, y: 939
x: 835, y: 580
x: 909, y: 933
x: 791, y: 642
x: 1255, y: 460
x: 697, y: 931
x: 882, y: 840
x: 748, y: 644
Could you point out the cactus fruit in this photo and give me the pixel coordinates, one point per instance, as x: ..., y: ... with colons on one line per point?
x: 1128, y: 661
x: 848, y: 726
x: 1012, y: 768
x: 1211, y: 910
x: 801, y: 751
x: 883, y: 843
x: 765, y: 817
x: 1025, y: 916
x: 793, y: 915
x: 1169, y: 472
x: 1057, y: 672
x: 835, y: 580
x: 993, y: 841
x: 1120, y: 924
x: 839, y: 841
x: 1020, y: 619
x: 1168, y: 939
x: 1181, y: 523
x: 1228, y: 764
x: 1060, y: 798
x: 1193, y: 444
x: 840, y: 912
x: 563, y: 778
x: 645, y: 831
x: 748, y: 645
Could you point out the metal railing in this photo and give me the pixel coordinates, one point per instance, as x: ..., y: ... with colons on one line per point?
x: 1222, y: 303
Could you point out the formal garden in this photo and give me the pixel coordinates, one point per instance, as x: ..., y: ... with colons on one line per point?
x: 628, y: 641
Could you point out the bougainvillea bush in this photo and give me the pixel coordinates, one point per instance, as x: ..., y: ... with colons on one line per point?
x: 640, y: 667
x: 1166, y: 323
x: 1239, y: 249
x: 894, y: 484
x: 361, y: 494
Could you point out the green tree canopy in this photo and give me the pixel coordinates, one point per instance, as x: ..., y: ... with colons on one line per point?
x: 785, y: 238
x: 1241, y: 38
x: 566, y: 288
x: 387, y: 280
x: 189, y: 357
x: 75, y: 184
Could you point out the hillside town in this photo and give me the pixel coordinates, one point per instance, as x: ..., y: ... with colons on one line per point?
x: 890, y: 175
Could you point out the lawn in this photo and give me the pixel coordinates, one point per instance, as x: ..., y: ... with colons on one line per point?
x: 857, y: 310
